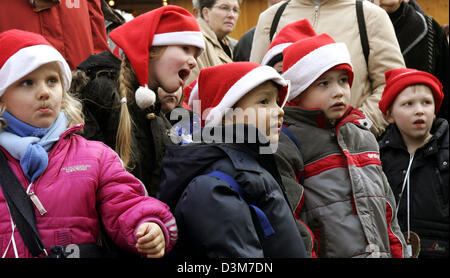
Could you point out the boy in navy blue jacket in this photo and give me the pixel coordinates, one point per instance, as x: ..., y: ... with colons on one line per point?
x: 227, y: 195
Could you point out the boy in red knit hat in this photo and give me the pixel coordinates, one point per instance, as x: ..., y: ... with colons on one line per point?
x: 414, y: 155
x: 347, y: 202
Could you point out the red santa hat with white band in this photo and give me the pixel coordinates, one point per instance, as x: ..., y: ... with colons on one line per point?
x: 22, y: 52
x: 218, y: 94
x: 288, y: 35
x: 168, y: 25
x: 307, y: 59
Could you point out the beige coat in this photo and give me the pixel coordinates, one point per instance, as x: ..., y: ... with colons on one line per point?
x: 338, y: 19
x: 213, y: 55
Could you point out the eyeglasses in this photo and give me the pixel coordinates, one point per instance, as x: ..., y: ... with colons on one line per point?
x: 226, y: 9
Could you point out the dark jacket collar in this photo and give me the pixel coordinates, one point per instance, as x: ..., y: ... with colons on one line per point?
x: 410, y: 26
x: 318, y: 119
x: 183, y: 163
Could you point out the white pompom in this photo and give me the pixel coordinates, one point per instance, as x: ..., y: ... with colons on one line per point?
x: 144, y: 97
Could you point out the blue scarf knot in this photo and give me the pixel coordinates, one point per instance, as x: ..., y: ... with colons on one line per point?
x: 30, y: 145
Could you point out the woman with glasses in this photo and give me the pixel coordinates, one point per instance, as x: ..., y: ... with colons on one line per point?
x: 217, y: 19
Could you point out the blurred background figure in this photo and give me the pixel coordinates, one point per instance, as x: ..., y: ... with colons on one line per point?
x: 244, y: 45
x: 196, y: 8
x: 217, y: 19
x: 75, y: 28
x: 170, y: 100
x: 422, y: 40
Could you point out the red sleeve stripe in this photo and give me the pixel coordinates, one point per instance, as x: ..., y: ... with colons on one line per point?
x: 339, y: 161
x: 363, y: 159
x: 327, y: 163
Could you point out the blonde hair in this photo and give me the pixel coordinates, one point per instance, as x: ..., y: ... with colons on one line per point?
x: 3, y: 122
x: 127, y: 86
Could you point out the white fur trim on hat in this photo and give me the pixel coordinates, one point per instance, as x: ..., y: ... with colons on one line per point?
x: 28, y: 59
x: 274, y: 51
x: 193, y: 96
x: 244, y: 85
x: 144, y: 97
x: 314, y: 64
x: 193, y: 38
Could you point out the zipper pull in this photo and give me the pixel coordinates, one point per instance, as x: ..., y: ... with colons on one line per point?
x: 316, y: 15
x: 34, y: 198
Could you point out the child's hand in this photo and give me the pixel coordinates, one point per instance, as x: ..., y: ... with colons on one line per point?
x: 150, y: 240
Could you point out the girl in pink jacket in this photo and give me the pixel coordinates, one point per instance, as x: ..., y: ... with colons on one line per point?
x: 71, y: 181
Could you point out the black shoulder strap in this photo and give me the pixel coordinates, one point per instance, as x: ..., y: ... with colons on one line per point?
x: 362, y: 30
x: 430, y: 43
x: 20, y: 207
x: 276, y: 19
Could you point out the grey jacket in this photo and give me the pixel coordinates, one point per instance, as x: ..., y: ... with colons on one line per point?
x: 348, y: 202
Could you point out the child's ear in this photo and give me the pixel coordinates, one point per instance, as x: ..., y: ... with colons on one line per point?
x: 388, y: 117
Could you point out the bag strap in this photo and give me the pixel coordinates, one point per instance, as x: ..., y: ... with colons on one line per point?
x: 362, y: 30
x: 21, y: 208
x: 291, y: 136
x: 276, y: 19
x: 430, y: 43
x: 262, y: 218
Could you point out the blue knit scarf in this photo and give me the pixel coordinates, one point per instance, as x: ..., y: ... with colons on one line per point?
x: 30, y: 145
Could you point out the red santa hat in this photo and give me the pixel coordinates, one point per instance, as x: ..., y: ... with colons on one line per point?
x: 307, y: 59
x: 398, y: 79
x: 187, y: 93
x: 218, y: 94
x: 168, y: 25
x: 287, y: 36
x: 22, y: 52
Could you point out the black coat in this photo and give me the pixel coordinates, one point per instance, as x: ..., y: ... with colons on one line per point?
x: 213, y: 220
x: 429, y: 210
x: 424, y: 46
x: 243, y: 48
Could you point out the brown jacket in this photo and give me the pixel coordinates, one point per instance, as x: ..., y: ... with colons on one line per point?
x: 213, y: 55
x: 338, y: 19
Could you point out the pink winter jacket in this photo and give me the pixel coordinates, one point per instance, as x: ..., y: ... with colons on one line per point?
x: 85, y: 179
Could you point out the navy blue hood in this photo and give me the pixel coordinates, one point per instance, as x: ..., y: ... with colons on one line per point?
x: 181, y: 164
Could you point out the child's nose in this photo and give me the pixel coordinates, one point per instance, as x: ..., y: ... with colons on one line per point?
x: 192, y: 62
x: 338, y: 91
x: 43, y: 91
x: 419, y: 109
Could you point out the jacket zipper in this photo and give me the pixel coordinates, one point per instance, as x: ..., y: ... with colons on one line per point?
x: 316, y: 15
x: 34, y: 198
